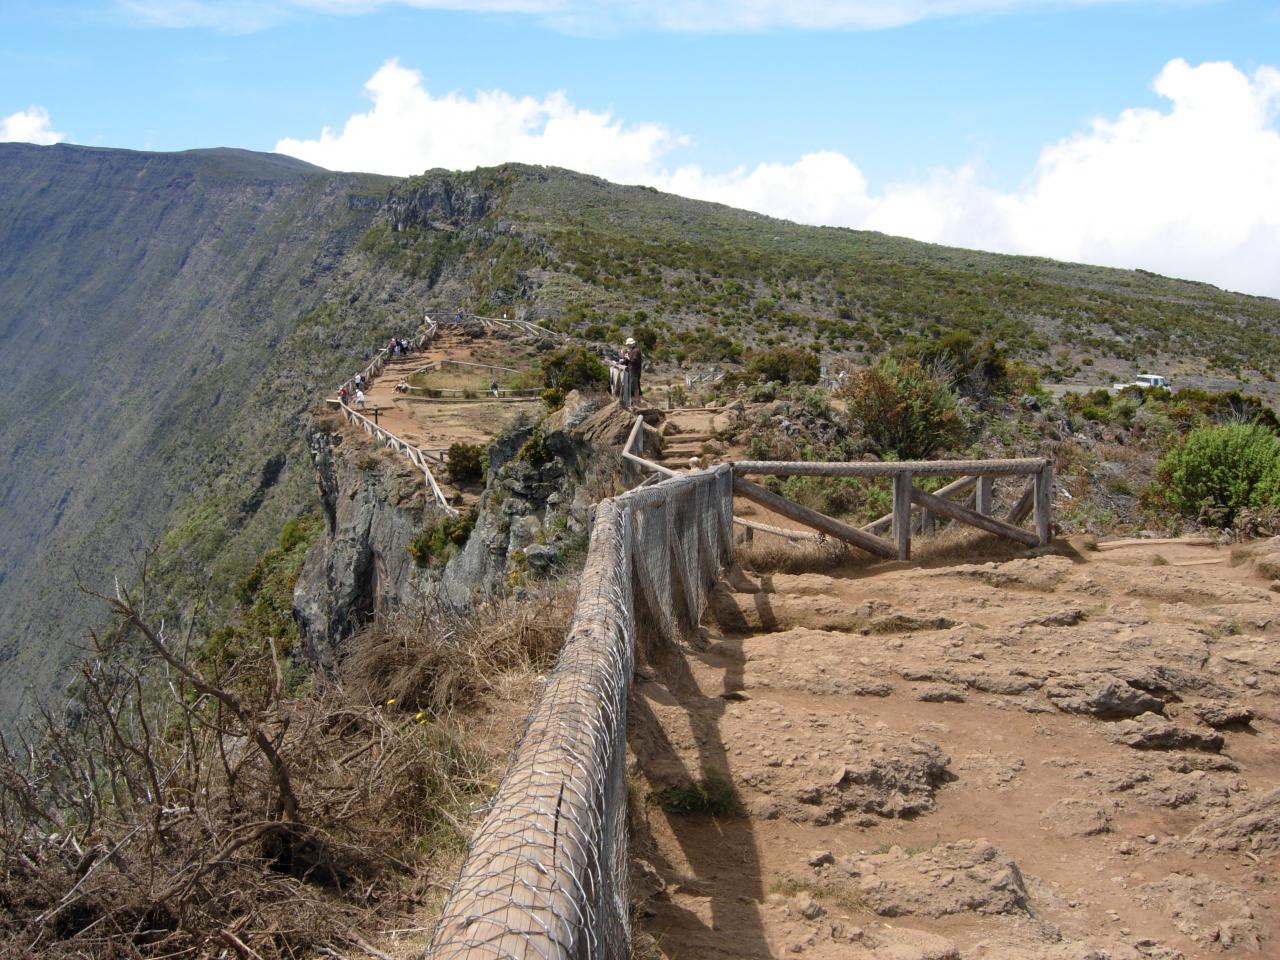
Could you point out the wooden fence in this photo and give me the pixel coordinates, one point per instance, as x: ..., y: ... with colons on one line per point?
x: 419, y: 457
x: 914, y: 509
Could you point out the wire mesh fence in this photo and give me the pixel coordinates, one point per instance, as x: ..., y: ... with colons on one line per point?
x: 546, y: 876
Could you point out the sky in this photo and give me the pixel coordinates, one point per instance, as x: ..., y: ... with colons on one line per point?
x: 1130, y: 133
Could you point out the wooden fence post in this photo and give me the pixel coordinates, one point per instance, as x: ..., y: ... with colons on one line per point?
x: 902, y: 513
x: 1044, y: 502
x: 985, y: 485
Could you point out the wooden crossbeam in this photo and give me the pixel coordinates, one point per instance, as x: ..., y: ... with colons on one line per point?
x: 811, y: 518
x: 949, y: 508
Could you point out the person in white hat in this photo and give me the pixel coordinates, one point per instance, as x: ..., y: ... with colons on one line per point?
x: 634, y: 361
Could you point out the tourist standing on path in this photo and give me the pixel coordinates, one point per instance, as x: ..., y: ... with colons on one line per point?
x: 634, y: 361
x: 359, y: 399
x: 344, y: 395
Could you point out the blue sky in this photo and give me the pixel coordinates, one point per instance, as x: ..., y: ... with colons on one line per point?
x: 937, y: 125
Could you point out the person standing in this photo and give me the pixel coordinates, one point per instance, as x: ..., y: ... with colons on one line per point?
x: 634, y: 361
x: 359, y: 399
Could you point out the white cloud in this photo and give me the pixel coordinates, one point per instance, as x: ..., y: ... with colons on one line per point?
x: 29, y: 126
x: 1192, y: 190
x: 702, y: 16
x: 409, y: 130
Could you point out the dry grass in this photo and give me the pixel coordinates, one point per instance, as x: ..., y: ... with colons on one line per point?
x: 956, y: 543
x: 767, y: 553
x: 440, y: 660
x: 157, y: 819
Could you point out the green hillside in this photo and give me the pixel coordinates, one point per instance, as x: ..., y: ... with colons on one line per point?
x: 588, y: 255
x: 142, y: 298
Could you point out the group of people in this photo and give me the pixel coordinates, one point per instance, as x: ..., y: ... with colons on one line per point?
x: 345, y: 396
x: 397, y: 347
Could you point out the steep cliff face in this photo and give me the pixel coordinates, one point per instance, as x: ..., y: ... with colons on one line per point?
x: 373, y: 506
x: 149, y: 351
x: 531, y: 523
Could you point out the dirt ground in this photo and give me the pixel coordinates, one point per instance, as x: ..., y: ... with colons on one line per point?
x: 1067, y: 756
x: 434, y: 424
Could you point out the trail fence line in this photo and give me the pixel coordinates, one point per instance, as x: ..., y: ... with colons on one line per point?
x: 547, y: 873
x: 416, y: 455
x: 914, y: 510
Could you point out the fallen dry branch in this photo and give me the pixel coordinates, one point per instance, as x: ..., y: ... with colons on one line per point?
x: 166, y: 813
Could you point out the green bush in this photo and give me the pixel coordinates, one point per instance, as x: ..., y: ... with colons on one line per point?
x: 904, y: 410
x: 436, y: 544
x: 464, y: 462
x: 714, y: 795
x: 974, y: 369
x: 785, y: 365
x: 553, y: 397
x: 573, y: 368
x: 1218, y: 471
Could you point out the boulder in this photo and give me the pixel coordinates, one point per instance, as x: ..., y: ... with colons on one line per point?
x: 1152, y: 732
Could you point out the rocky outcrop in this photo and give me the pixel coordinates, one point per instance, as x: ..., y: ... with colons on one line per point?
x: 531, y: 523
x: 442, y: 199
x: 373, y: 507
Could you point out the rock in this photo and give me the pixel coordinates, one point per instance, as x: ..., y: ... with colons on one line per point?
x: 1218, y: 714
x: 953, y: 878
x: 1063, y: 618
x: 807, y: 907
x: 898, y: 780
x: 646, y: 882
x: 1104, y: 697
x: 542, y: 558
x: 906, y: 944
x: 820, y: 858
x: 940, y: 693
x: 1152, y: 732
x: 1205, y: 909
x: 1253, y: 826
x: 361, y: 565
x: 1072, y: 817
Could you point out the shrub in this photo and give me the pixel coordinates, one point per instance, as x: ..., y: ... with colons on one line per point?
x: 785, y: 365
x: 714, y: 796
x: 553, y: 397
x: 436, y: 544
x: 464, y: 462
x: 975, y: 369
x: 573, y: 368
x: 904, y: 410
x: 535, y: 449
x: 1218, y: 471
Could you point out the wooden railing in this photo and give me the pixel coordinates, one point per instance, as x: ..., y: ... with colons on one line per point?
x: 521, y: 326
x: 419, y: 457
x: 914, y: 509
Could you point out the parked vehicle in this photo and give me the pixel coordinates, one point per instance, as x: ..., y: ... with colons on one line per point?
x: 1146, y: 381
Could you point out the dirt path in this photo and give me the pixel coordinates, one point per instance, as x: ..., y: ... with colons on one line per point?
x: 436, y: 424
x: 941, y: 762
